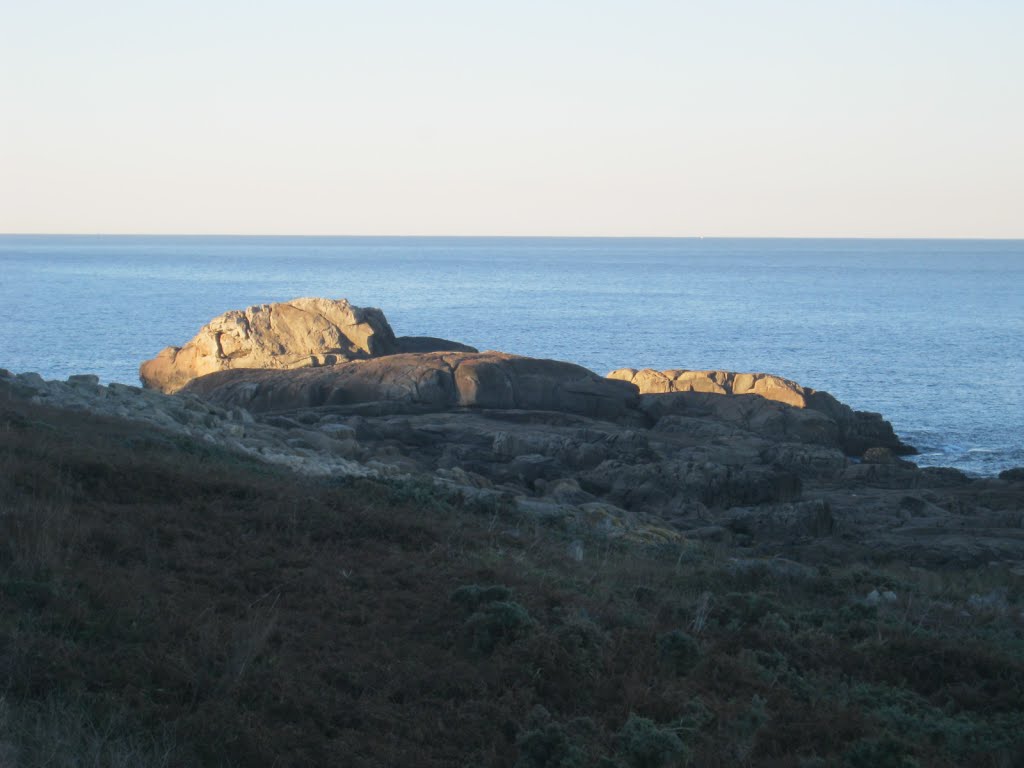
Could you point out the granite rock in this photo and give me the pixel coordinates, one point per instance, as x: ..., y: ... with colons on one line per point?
x: 301, y: 333
x: 423, y: 382
x: 770, y: 405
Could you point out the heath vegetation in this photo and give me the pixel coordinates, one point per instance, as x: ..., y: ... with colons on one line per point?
x: 167, y: 603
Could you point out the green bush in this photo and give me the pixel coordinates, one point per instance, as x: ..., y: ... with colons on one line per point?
x: 644, y: 744
x: 918, y: 721
x: 679, y: 651
x: 885, y: 752
x: 580, y: 638
x: 69, y: 731
x: 496, y: 622
x: 743, y: 729
x: 743, y: 608
x: 774, y: 622
x: 472, y: 596
x: 547, y: 744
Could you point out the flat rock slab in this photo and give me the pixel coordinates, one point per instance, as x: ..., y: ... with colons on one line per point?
x: 434, y: 380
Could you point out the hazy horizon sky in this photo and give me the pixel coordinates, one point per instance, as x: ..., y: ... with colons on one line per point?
x: 802, y: 119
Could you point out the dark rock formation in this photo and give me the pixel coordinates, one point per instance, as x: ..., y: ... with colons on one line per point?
x: 427, y: 381
x: 430, y: 344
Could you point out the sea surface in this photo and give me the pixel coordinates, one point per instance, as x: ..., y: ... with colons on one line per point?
x: 930, y: 333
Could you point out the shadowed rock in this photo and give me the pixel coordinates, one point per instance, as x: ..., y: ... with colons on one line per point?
x: 430, y: 344
x: 427, y: 381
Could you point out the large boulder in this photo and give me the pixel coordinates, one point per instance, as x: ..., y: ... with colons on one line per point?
x: 777, y: 408
x: 301, y: 333
x: 425, y: 381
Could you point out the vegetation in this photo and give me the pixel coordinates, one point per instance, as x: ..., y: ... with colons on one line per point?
x: 165, y: 603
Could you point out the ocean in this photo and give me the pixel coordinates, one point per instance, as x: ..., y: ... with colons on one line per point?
x: 930, y: 333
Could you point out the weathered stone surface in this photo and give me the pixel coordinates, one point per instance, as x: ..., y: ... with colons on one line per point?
x: 779, y: 408
x: 84, y: 379
x: 804, y: 519
x: 718, y: 382
x: 751, y: 460
x: 301, y: 333
x: 664, y: 484
x: 755, y: 414
x: 429, y: 381
x: 880, y: 455
x: 429, y: 344
x: 302, y: 450
x: 806, y: 460
x: 703, y: 472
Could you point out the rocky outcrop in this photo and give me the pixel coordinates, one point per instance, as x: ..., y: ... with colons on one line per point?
x: 774, y: 407
x: 302, y: 333
x: 424, y: 382
x: 747, y: 460
x: 563, y: 445
x: 320, y: 452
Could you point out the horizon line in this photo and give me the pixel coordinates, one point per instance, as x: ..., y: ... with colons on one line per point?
x: 514, y: 237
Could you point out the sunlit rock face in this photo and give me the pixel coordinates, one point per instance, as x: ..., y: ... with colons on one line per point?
x: 820, y: 418
x: 726, y: 383
x: 301, y: 333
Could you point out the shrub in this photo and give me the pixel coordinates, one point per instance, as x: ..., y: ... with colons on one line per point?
x: 66, y: 731
x: 473, y: 596
x: 679, y: 651
x: 885, y: 752
x: 744, y: 727
x: 743, y: 608
x: 643, y: 744
x: 773, y: 622
x: 496, y: 622
x: 579, y: 638
x: 547, y: 744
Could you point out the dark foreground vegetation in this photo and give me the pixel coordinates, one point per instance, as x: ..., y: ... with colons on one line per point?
x: 163, y: 603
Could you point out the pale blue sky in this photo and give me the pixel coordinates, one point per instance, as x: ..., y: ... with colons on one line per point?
x: 555, y: 118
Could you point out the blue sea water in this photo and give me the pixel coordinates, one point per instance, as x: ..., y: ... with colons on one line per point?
x: 928, y: 332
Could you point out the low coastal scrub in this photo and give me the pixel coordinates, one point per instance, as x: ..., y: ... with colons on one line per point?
x: 166, y: 603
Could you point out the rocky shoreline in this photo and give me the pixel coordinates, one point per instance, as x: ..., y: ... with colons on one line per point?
x: 751, y: 460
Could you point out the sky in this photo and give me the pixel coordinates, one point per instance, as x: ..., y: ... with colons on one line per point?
x: 901, y: 118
